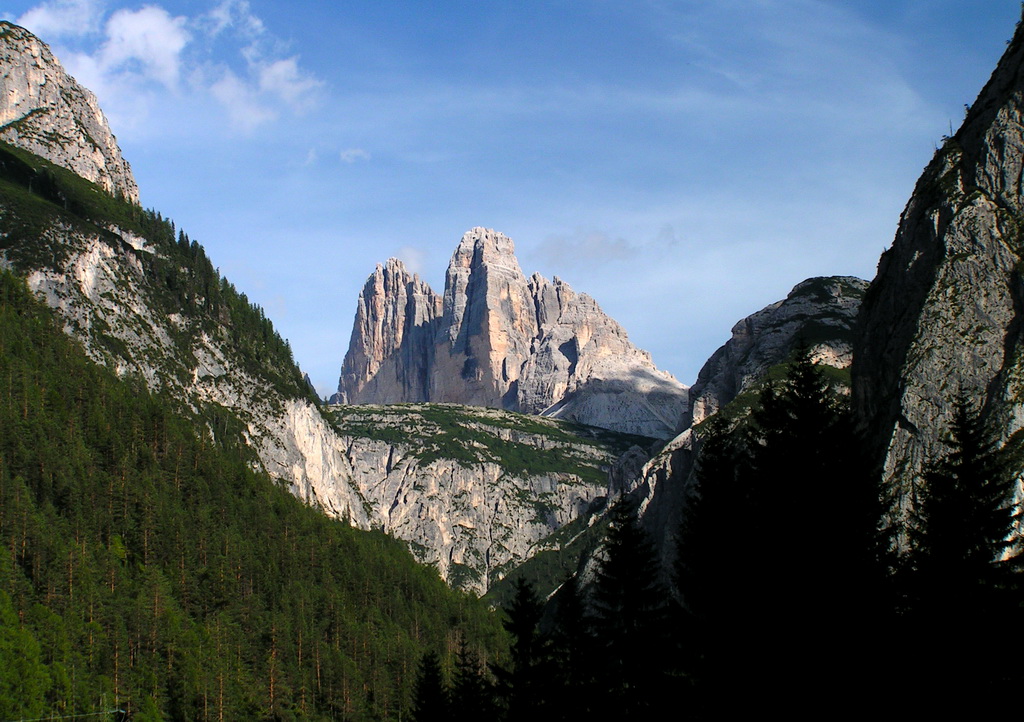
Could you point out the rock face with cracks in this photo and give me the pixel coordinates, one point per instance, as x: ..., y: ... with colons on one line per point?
x: 44, y: 111
x: 944, y: 314
x: 497, y: 338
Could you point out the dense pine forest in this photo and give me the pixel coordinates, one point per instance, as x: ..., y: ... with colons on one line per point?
x: 147, y: 568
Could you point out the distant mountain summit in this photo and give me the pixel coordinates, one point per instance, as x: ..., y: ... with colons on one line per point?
x: 44, y: 111
x: 497, y: 338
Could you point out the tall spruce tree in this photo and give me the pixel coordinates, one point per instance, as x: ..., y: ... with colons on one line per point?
x: 523, y: 685
x: 960, y: 581
x: 630, y: 618
x: 430, y: 702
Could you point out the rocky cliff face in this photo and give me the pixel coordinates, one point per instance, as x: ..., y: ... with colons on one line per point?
x: 474, y: 491
x: 392, y: 338
x: 943, y: 316
x: 504, y: 341
x: 44, y: 111
x: 820, y: 313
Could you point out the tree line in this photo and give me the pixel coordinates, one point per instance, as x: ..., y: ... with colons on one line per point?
x: 800, y: 584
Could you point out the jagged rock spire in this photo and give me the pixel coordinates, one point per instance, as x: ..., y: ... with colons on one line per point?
x: 505, y: 341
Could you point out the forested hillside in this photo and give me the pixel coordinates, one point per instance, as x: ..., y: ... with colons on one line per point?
x: 145, y: 566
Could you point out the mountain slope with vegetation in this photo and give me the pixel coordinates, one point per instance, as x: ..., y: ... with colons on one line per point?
x: 146, y: 567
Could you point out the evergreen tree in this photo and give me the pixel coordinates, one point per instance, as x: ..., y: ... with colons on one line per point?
x: 523, y: 684
x: 781, y: 554
x: 964, y: 515
x: 631, y: 614
x: 431, y: 695
x: 959, y: 584
x: 472, y: 692
x: 574, y: 656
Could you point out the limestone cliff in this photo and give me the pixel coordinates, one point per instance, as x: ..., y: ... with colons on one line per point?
x: 505, y: 341
x: 820, y: 313
x: 44, y: 111
x: 943, y: 316
x: 474, y: 491
x: 392, y: 338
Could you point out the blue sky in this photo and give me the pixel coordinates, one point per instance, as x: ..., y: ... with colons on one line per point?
x: 686, y: 163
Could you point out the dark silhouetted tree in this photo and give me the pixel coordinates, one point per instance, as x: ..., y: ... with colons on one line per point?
x: 430, y: 703
x: 630, y: 618
x: 960, y: 583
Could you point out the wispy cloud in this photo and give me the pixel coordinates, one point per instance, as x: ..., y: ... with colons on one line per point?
x: 592, y: 249
x: 131, y: 58
x: 351, y: 155
x: 413, y: 257
x: 63, y: 18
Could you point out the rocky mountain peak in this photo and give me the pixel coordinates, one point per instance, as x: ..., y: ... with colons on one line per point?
x: 480, y: 246
x: 505, y: 341
x: 820, y: 313
x: 44, y: 111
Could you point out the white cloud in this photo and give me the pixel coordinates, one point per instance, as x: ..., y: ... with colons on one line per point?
x: 231, y: 14
x: 585, y: 249
x: 351, y: 155
x: 242, y: 101
x: 63, y: 18
x: 132, y: 57
x: 284, y: 79
x: 148, y: 39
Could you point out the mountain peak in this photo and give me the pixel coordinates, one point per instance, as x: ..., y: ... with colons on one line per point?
x: 505, y: 341
x: 45, y: 111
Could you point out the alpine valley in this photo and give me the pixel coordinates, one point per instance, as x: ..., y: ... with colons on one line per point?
x: 189, y: 532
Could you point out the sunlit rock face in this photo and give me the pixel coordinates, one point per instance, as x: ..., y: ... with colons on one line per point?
x: 497, y: 338
x: 819, y: 313
x: 44, y: 111
x: 943, y: 315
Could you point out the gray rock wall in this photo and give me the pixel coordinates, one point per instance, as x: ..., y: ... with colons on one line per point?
x: 44, y: 111
x: 943, y: 314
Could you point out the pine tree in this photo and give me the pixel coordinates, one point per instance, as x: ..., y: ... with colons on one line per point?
x: 959, y: 583
x: 472, y: 693
x: 430, y: 703
x: 631, y: 614
x: 781, y: 554
x: 961, y: 527
x: 523, y: 684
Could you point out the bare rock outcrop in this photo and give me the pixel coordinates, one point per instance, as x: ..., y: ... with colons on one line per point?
x: 944, y: 314
x: 821, y: 313
x: 44, y: 111
x: 392, y: 338
x: 505, y: 341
